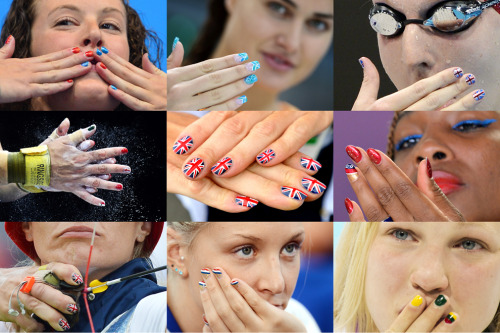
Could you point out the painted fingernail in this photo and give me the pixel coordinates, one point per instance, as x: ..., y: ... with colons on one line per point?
x: 353, y: 153
x: 124, y: 150
x: 182, y: 145
x: 351, y: 172
x: 374, y: 155
x: 478, y: 94
x: 127, y: 170
x: 104, y: 50
x: 470, y: 79
x: 417, y: 301
x: 202, y: 285
x: 440, y: 300
x: 91, y: 128
x: 193, y: 168
x: 458, y: 72
x: 69, y: 81
x: 205, y: 272
x: 119, y: 187
x: 251, y: 79
x: 234, y: 282
x: 102, y: 204
x: 312, y: 185
x: 75, y: 50
x: 174, y: 44
x: 217, y: 272
x: 99, y: 52
x: 85, y: 64
x: 64, y: 324
x: 205, y: 320
x: 246, y: 201
x: 429, y: 168
x: 76, y: 278
x: 8, y: 39
x: 89, y: 54
x: 72, y: 308
x: 310, y: 164
x: 222, y: 166
x: 450, y: 318
x: 240, y: 57
x: 253, y: 66
x: 361, y: 63
x: 348, y: 205
x: 241, y: 100
x: 266, y: 156
x: 293, y: 193
x: 113, y: 87
x: 103, y: 66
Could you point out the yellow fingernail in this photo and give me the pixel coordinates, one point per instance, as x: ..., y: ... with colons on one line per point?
x: 417, y: 301
x: 42, y: 268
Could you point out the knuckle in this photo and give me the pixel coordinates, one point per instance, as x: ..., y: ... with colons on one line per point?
x: 102, y: 169
x: 403, y: 190
x: 95, y: 182
x: 420, y: 87
x: 234, y: 126
x: 433, y: 102
x: 290, y: 176
x: 380, y: 105
x: 385, y: 195
x: 208, y: 155
x: 215, y: 77
x: 207, y: 66
x: 215, y: 95
x: 373, y: 214
x: 265, y: 128
x: 300, y: 129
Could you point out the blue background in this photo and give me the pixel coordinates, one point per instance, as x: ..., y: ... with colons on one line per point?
x: 153, y: 15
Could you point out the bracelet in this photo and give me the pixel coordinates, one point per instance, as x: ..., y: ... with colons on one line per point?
x: 30, y: 167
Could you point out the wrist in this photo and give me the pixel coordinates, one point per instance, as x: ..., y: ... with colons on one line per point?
x: 30, y: 166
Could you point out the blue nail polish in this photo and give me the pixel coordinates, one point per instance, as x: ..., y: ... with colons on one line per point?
x: 241, y: 57
x: 253, y: 66
x: 470, y: 79
x: 105, y: 50
x: 113, y: 87
x: 458, y: 72
x: 251, y: 79
x: 361, y: 63
x: 241, y: 100
x: 479, y: 94
x: 176, y: 40
x: 85, y: 64
x: 98, y: 52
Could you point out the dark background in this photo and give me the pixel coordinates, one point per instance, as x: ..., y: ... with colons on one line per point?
x: 144, y: 193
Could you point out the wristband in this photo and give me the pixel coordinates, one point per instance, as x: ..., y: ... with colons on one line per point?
x: 30, y: 167
x: 30, y: 189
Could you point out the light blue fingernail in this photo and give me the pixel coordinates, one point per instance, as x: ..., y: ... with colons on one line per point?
x: 105, y: 50
x: 241, y: 57
x: 253, y: 66
x: 241, y: 100
x: 85, y: 64
x: 98, y: 52
x: 250, y: 79
x: 176, y: 40
x: 113, y: 87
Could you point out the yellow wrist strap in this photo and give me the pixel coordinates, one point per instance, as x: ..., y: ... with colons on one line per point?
x: 30, y: 189
x: 30, y: 167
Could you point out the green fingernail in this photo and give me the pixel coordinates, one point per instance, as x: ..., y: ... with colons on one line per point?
x: 440, y: 300
x: 91, y: 128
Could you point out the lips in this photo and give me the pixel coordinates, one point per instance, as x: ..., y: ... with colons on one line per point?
x: 447, y: 182
x: 278, y: 62
x: 78, y: 231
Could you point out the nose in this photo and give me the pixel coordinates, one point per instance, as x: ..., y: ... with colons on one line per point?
x: 432, y: 148
x: 429, y: 272
x: 417, y: 49
x: 92, y: 35
x: 290, y: 37
x: 272, y: 281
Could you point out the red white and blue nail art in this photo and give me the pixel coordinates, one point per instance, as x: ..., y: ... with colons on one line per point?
x: 72, y: 308
x: 202, y: 285
x: 351, y: 172
x: 266, y: 156
x: 64, y: 324
x: 313, y: 185
x: 310, y: 164
x: 470, y: 79
x: 205, y: 320
x: 458, y: 72
x: 183, y: 145
x: 222, y: 166
x: 246, y: 201
x: 293, y: 193
x: 77, y: 278
x: 234, y: 282
x: 478, y: 94
x: 193, y: 168
x: 205, y: 271
x: 217, y: 271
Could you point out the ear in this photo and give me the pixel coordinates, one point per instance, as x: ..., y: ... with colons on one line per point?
x: 28, y: 232
x: 229, y: 4
x: 176, y: 253
x: 143, y: 231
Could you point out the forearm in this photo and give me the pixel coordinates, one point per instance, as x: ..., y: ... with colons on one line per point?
x: 11, y: 192
x: 3, y: 167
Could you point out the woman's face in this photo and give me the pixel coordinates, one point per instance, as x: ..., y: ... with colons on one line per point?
x: 421, y: 52
x: 458, y: 260
x: 287, y: 37
x: 464, y: 150
x: 265, y: 255
x: 61, y: 24
x: 69, y: 243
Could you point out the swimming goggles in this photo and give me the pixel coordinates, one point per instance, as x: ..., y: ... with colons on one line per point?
x: 446, y: 16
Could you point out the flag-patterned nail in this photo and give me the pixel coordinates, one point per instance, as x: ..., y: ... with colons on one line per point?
x: 478, y: 94
x: 450, y: 318
x: 234, y: 282
x: 470, y: 79
x: 64, y: 324
x: 253, y: 66
x: 182, y: 145
x: 72, y: 308
x: 266, y: 156
x: 222, y: 166
x: 312, y: 185
x: 193, y: 168
x: 77, y: 278
x: 205, y: 271
x: 217, y: 271
x: 293, y: 193
x: 202, y: 285
x: 246, y: 201
x: 205, y: 320
x: 241, y: 57
x: 458, y: 72
x: 351, y: 172
x: 251, y: 79
x: 310, y: 164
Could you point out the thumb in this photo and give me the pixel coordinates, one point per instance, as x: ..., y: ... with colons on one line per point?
x: 177, y: 55
x: 8, y: 48
x: 431, y: 190
x: 368, y: 93
x: 148, y: 66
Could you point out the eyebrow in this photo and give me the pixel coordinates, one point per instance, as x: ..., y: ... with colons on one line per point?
x: 403, y: 114
x: 321, y: 15
x: 257, y: 239
x: 76, y: 9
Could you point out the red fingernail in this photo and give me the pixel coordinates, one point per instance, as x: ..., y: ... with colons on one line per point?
x: 374, y: 156
x: 8, y: 39
x: 103, y: 66
x: 353, y: 153
x: 348, y: 205
x: 75, y: 50
x: 102, y: 204
x: 70, y: 81
x: 429, y: 168
x: 124, y: 150
x: 89, y: 53
x: 119, y: 187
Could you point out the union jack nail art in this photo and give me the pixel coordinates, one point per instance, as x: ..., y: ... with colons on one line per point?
x: 72, y: 308
x: 478, y: 94
x: 312, y: 185
x: 241, y: 57
x: 205, y: 271
x: 222, y: 166
x: 217, y: 271
x: 253, y: 66
x: 234, y: 282
x: 250, y: 79
x: 351, y: 172
x: 470, y: 79
x: 293, y: 193
x: 266, y: 156
x: 64, y: 324
x: 458, y: 72
x: 77, y: 278
x: 193, y: 168
x: 246, y: 201
x: 182, y: 145
x: 202, y: 285
x: 241, y: 100
x: 310, y: 164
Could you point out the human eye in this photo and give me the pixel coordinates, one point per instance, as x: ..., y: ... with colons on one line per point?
x: 469, y: 245
x: 291, y: 249
x: 408, y: 142
x: 65, y: 21
x: 472, y: 124
x: 316, y: 25
x: 245, y: 252
x: 110, y: 26
x: 278, y: 9
x: 401, y: 234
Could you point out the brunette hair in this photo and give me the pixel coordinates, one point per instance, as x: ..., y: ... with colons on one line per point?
x: 19, y: 23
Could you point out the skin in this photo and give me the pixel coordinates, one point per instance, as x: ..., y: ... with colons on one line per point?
x: 434, y: 259
x: 269, y: 271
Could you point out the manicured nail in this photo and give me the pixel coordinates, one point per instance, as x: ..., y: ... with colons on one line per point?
x: 450, y: 318
x: 470, y: 79
x: 234, y: 282
x: 241, y: 100
x: 222, y: 166
x: 75, y: 50
x: 361, y: 63
x: 202, y: 285
x: 417, y: 301
x: 241, y: 57
x: 89, y: 54
x: 70, y: 81
x: 478, y: 94
x: 429, y: 168
x: 351, y: 172
x: 205, y: 320
x: 217, y: 272
x: 388, y: 219
x: 205, y: 272
x: 102, y: 204
x: 85, y: 64
x: 253, y: 66
x: 77, y: 278
x: 91, y: 128
x: 458, y: 72
x: 374, y: 155
x: 353, y: 153
x: 293, y: 193
x: 174, y: 44
x: 124, y: 150
x: 348, y: 206
x: 266, y: 156
x: 64, y: 324
x: 119, y: 187
x: 103, y: 66
x: 99, y: 52
x: 72, y: 308
x: 246, y: 201
x: 440, y: 300
x: 127, y: 170
x: 251, y: 79
x: 104, y: 50
x: 182, y: 145
x: 312, y: 185
x: 193, y: 168
x: 310, y: 164
x: 8, y: 39
x: 113, y: 87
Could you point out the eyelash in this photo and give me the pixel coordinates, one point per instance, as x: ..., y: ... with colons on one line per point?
x: 282, y: 11
x: 69, y: 20
x: 459, y: 243
x: 296, y: 249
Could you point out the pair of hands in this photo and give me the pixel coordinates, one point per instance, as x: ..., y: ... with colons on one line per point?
x: 233, y: 306
x: 22, y: 79
x: 241, y: 136
x: 438, y: 91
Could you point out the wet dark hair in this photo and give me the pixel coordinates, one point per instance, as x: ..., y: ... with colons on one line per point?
x: 19, y: 23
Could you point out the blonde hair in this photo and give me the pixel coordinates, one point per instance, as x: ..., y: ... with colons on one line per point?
x: 188, y: 230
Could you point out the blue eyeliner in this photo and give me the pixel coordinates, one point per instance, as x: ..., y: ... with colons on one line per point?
x: 406, y: 139
x: 479, y: 123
